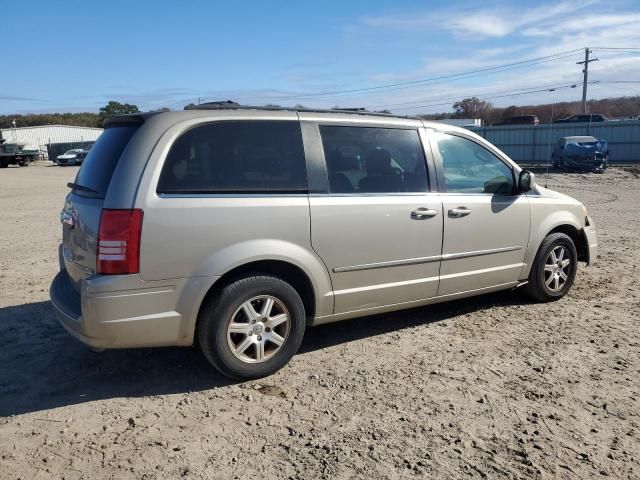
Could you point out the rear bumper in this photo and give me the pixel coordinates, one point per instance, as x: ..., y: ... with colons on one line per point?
x: 66, y: 303
x: 123, y: 311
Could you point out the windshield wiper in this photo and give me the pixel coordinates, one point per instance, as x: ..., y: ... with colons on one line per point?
x: 75, y: 186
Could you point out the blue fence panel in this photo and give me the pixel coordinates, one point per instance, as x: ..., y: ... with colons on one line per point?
x: 534, y: 143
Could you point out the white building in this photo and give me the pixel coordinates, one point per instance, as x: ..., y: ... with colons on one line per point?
x: 37, y: 138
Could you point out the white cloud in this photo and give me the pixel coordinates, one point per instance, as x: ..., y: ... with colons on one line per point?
x: 514, y: 34
x: 496, y: 22
x: 584, y: 23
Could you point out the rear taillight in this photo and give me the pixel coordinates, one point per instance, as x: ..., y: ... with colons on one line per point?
x: 119, y: 241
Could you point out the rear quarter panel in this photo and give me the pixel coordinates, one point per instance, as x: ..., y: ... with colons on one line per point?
x: 205, y: 236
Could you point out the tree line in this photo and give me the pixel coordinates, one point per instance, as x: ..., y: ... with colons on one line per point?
x: 472, y: 107
x: 83, y: 119
x: 615, y: 107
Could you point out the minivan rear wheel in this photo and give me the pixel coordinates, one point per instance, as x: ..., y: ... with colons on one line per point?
x: 554, y: 268
x: 252, y: 327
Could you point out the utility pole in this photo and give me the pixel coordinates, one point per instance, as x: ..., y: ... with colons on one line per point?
x: 585, y: 71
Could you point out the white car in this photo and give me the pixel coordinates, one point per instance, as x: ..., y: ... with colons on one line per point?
x: 71, y: 157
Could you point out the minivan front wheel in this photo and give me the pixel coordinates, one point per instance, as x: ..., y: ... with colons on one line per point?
x: 252, y: 327
x: 554, y: 268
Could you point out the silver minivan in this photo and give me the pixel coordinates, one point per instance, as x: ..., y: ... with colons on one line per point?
x: 235, y: 228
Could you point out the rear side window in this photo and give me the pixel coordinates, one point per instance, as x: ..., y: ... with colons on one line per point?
x: 98, y: 166
x: 373, y: 160
x: 237, y: 156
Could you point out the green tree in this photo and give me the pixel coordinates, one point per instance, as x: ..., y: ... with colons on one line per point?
x: 510, y: 111
x: 472, y: 108
x: 84, y: 119
x: 116, y: 108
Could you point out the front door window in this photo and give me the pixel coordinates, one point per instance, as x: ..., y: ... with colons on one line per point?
x: 471, y: 168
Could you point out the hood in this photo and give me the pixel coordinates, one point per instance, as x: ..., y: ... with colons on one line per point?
x: 548, y: 193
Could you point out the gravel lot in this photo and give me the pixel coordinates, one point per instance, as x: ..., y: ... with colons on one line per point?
x: 491, y: 387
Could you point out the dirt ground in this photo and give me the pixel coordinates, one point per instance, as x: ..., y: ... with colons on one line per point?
x: 491, y: 387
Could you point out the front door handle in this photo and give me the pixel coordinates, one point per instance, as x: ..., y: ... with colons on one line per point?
x: 421, y: 213
x: 459, y: 212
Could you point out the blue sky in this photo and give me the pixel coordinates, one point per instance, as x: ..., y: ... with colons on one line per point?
x: 168, y: 53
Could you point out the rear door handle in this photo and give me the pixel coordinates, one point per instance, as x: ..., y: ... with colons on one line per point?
x: 459, y: 212
x: 421, y: 213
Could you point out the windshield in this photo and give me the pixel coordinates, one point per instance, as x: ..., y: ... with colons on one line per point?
x: 100, y: 163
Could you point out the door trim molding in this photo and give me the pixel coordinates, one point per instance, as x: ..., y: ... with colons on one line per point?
x: 419, y: 260
x: 479, y: 253
x: 390, y: 263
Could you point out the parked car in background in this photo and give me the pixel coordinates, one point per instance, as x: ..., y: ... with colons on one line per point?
x: 589, y: 118
x: 72, y: 157
x: 581, y: 153
x: 236, y: 228
x: 520, y: 120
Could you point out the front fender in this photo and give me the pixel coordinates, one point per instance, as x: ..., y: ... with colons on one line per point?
x: 545, y: 218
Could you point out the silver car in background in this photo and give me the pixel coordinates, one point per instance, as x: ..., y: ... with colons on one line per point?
x: 72, y: 157
x: 238, y: 227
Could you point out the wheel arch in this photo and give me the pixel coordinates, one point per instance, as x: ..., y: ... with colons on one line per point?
x: 578, y: 237
x: 289, y: 272
x: 563, y: 221
x: 293, y: 263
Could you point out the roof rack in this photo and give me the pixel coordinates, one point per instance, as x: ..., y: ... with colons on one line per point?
x: 231, y: 105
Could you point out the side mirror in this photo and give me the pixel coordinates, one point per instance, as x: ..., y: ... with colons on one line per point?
x: 525, y: 181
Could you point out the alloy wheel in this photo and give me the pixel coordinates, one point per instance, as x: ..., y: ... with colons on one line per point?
x: 258, y: 329
x: 557, y: 268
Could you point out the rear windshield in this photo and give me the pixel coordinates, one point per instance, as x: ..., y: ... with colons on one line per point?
x: 97, y: 168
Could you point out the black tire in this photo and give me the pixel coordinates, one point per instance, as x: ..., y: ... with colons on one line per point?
x: 537, y: 288
x: 3, y: 164
x: 218, y: 311
x: 563, y: 165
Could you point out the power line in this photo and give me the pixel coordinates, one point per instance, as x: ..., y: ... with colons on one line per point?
x: 506, y: 92
x: 615, y: 81
x: 517, y: 93
x: 568, y: 85
x: 636, y: 49
x: 471, y: 73
x: 417, y: 83
x: 380, y: 89
x: 622, y: 89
